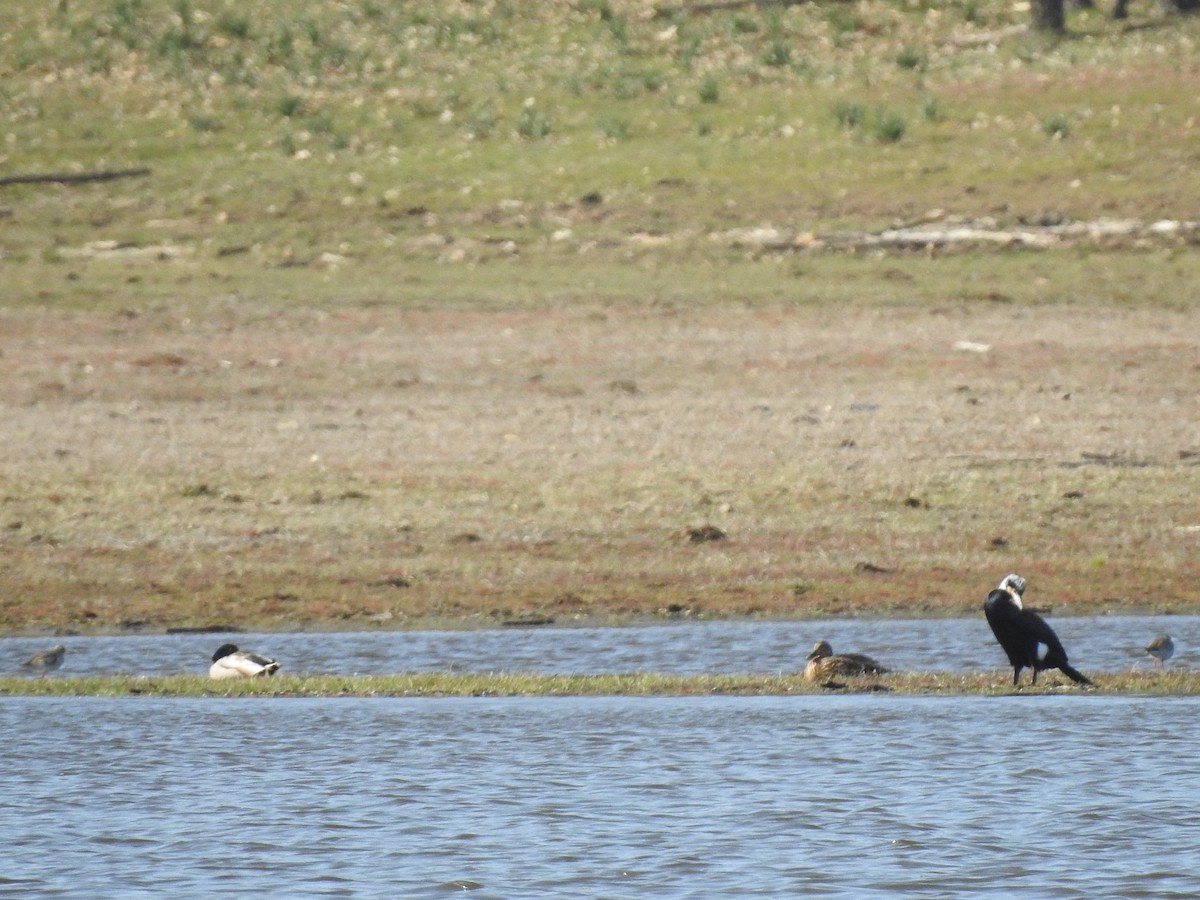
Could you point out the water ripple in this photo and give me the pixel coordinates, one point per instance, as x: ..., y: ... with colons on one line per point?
x: 854, y: 796
x: 1096, y: 644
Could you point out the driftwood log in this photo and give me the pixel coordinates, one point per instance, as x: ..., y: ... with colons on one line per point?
x: 670, y: 11
x: 73, y: 177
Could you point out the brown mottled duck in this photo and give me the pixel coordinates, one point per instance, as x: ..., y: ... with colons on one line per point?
x: 822, y: 664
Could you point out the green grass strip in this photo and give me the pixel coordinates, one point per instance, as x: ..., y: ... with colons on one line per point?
x: 519, y: 684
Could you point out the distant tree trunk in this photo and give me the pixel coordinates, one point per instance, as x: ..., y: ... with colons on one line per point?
x: 1048, y: 16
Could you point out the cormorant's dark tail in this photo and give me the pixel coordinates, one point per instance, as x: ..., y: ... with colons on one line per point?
x: 1075, y: 675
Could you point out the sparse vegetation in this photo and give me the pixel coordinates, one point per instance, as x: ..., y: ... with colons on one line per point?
x: 931, y: 108
x: 849, y: 115
x: 614, y: 128
x: 394, y: 256
x: 910, y: 58
x: 778, y: 53
x: 290, y: 106
x: 522, y: 684
x: 1056, y: 126
x: 890, y: 126
x: 533, y: 125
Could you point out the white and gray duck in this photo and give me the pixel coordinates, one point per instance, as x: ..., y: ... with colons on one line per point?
x: 230, y: 662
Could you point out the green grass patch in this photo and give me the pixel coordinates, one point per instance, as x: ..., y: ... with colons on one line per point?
x: 407, y: 91
x: 516, y: 684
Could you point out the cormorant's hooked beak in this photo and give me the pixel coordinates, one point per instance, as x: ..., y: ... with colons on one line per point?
x: 1014, y: 584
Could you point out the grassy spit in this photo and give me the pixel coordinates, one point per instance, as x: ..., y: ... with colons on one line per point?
x: 517, y: 684
x: 438, y: 312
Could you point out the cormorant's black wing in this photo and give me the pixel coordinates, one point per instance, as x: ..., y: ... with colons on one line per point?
x: 1039, y: 631
x: 1055, y: 656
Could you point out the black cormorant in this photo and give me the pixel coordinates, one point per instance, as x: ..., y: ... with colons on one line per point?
x: 1024, y: 635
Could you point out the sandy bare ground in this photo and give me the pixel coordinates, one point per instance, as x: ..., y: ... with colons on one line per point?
x: 300, y: 468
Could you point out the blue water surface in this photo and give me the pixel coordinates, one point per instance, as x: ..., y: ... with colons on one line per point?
x: 1080, y: 795
x: 1095, y: 644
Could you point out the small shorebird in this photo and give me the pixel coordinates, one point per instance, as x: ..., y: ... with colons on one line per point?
x: 823, y: 664
x: 1026, y: 638
x: 46, y: 661
x: 1161, y: 648
x: 230, y: 662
